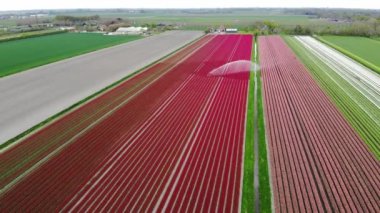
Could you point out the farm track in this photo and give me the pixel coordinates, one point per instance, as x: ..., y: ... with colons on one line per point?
x: 154, y: 151
x: 318, y: 162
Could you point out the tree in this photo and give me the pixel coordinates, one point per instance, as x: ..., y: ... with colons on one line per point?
x: 76, y: 19
x: 272, y: 26
x: 376, y: 23
x: 298, y: 30
x: 307, y: 31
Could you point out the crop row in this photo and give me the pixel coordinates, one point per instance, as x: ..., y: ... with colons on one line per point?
x: 23, y: 156
x: 363, y: 79
x: 318, y: 162
x: 346, y: 90
x: 178, y: 144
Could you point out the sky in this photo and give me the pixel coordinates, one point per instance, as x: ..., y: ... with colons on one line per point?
x: 69, y: 4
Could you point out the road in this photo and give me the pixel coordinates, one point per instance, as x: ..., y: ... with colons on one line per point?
x: 30, y: 97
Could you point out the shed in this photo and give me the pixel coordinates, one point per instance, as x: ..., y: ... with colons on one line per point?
x: 131, y: 30
x: 231, y: 30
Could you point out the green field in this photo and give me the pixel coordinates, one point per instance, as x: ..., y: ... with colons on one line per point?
x: 366, y: 49
x: 8, y: 22
x: 205, y: 21
x: 225, y: 19
x: 202, y: 19
x: 16, y: 56
x: 344, y: 95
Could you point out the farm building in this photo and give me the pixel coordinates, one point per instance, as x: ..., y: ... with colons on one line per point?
x: 67, y: 28
x: 130, y: 31
x: 231, y: 30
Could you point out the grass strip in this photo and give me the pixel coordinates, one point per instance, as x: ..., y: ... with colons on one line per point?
x: 248, y: 202
x: 248, y: 198
x: 351, y: 55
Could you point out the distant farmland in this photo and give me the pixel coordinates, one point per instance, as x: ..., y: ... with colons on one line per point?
x: 364, y: 50
x: 226, y: 19
x: 24, y: 54
x: 202, y: 21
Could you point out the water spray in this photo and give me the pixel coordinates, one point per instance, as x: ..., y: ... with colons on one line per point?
x: 235, y: 67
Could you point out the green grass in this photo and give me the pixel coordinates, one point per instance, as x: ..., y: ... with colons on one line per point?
x: 364, y: 50
x: 24, y: 54
x: 265, y: 190
x: 248, y: 202
x: 248, y: 198
x: 346, y: 97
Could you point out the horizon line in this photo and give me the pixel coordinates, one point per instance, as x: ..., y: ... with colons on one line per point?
x: 189, y: 8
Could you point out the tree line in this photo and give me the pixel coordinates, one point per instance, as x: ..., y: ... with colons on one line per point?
x: 75, y: 19
x: 369, y: 28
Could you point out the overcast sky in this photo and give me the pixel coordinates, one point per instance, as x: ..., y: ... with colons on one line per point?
x: 65, y: 4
